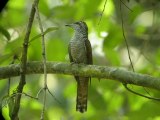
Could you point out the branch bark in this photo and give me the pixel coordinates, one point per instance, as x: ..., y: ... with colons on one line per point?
x: 22, y: 82
x: 117, y: 74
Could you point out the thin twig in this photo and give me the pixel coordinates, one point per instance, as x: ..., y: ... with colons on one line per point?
x: 44, y: 62
x: 7, y: 98
x: 126, y: 6
x: 37, y: 96
x: 152, y: 98
x: 14, y: 114
x: 54, y: 97
x: 124, y: 84
x: 102, y: 12
x: 13, y: 95
x: 125, y: 38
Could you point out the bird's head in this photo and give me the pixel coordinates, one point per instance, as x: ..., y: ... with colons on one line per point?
x: 80, y: 27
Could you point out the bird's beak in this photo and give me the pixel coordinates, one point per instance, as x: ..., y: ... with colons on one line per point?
x: 69, y: 25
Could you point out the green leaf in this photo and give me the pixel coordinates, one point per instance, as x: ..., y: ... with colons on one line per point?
x: 45, y: 32
x: 11, y: 106
x: 5, y: 33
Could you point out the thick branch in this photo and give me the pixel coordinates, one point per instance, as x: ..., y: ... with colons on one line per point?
x: 117, y: 74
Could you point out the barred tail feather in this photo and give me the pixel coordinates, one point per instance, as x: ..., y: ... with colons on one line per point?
x: 82, y: 94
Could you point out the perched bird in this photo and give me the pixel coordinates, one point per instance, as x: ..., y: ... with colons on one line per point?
x: 80, y: 52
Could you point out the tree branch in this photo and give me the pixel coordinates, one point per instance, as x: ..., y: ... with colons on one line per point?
x: 117, y: 74
x: 22, y: 82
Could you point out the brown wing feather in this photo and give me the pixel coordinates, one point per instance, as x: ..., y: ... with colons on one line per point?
x: 89, y: 52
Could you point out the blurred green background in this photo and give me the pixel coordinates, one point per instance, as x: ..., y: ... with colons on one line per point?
x: 108, y: 100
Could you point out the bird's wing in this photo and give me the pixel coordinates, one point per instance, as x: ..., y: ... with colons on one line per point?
x: 89, y: 52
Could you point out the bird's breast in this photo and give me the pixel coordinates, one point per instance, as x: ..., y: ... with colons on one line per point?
x: 78, y: 51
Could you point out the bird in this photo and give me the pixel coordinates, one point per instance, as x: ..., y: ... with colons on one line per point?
x: 80, y: 52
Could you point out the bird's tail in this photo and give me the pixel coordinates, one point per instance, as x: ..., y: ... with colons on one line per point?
x: 82, y: 94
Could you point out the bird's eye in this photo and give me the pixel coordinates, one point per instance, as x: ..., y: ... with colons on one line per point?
x: 77, y: 23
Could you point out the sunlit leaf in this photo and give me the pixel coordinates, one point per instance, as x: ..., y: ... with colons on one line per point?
x: 5, y: 33
x: 50, y: 29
